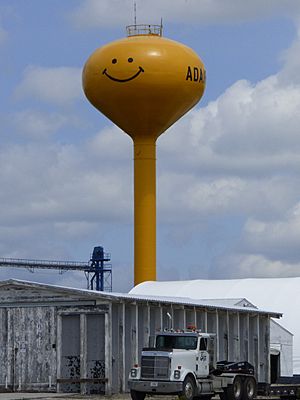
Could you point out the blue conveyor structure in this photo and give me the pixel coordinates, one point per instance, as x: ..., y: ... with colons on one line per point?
x: 98, y: 270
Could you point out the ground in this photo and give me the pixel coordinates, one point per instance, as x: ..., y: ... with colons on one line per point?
x: 64, y: 396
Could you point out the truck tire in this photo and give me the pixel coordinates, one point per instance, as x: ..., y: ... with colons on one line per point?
x: 135, y: 395
x: 235, y: 391
x: 188, y: 389
x: 249, y: 388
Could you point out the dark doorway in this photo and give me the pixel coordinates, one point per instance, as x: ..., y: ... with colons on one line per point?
x: 275, y: 367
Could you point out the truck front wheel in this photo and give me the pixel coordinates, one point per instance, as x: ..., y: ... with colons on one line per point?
x: 188, y: 389
x: 135, y: 395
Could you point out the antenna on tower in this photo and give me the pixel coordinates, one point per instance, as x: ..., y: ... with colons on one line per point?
x: 134, y: 8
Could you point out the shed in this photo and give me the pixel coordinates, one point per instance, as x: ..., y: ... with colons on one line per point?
x: 74, y: 340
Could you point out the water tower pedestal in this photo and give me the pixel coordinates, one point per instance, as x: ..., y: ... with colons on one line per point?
x: 144, y: 210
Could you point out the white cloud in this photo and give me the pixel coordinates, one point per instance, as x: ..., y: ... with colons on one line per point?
x: 188, y: 197
x: 37, y: 124
x: 63, y: 184
x: 277, y: 239
x: 249, y: 130
x: 96, y: 14
x: 239, y: 155
x: 111, y: 145
x: 290, y: 74
x: 238, y: 266
x: 60, y: 85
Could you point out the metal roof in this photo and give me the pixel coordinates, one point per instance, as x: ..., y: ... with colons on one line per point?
x: 209, y: 304
x: 212, y: 304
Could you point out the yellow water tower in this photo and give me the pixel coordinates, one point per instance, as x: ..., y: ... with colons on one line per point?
x: 144, y: 83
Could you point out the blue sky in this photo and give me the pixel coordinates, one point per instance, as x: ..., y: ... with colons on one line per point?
x: 228, y: 172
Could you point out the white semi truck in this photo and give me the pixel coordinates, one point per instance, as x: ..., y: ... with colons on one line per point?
x: 184, y: 363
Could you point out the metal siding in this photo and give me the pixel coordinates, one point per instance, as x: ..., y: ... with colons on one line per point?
x: 155, y: 324
x: 233, y: 339
x: 253, y: 344
x: 190, y: 317
x: 129, y: 351
x: 264, y: 346
x: 178, y: 322
x: 211, y: 322
x: 223, y: 337
x: 244, y: 337
x: 116, y: 347
x: 200, y: 320
x: 28, y: 354
x: 142, y: 327
x: 96, y: 351
x: 70, y: 352
x: 3, y: 347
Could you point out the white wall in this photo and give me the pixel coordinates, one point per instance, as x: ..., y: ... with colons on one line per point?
x: 282, y: 340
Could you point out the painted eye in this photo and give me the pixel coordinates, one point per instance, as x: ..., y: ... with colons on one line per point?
x: 114, y: 60
x: 130, y: 59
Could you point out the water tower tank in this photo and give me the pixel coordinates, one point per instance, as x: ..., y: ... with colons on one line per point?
x: 144, y: 83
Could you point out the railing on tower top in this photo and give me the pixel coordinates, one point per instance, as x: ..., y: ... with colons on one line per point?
x: 143, y: 29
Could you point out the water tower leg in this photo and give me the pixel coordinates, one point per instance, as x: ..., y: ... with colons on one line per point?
x: 144, y: 210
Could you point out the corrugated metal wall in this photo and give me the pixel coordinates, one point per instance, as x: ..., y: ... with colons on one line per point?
x: 28, y: 348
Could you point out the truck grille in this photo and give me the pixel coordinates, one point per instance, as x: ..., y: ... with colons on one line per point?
x: 154, y: 367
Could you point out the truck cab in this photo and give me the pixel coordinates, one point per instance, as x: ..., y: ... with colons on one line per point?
x: 184, y: 363
x: 164, y: 367
x: 190, y: 351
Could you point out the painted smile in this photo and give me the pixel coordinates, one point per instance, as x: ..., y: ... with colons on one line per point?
x: 123, y: 80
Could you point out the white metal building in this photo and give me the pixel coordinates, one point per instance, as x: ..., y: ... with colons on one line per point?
x: 281, y: 350
x: 64, y: 339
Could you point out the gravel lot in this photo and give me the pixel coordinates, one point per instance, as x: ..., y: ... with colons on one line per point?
x: 64, y: 396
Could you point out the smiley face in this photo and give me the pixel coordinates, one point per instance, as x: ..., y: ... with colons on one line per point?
x: 144, y: 83
x: 114, y: 61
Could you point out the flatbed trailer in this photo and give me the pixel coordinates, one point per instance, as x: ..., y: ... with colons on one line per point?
x: 287, y: 387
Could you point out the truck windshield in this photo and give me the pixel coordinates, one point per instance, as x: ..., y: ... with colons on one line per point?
x: 176, y: 342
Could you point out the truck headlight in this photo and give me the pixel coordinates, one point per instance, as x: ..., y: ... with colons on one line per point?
x: 133, y: 373
x: 176, y: 374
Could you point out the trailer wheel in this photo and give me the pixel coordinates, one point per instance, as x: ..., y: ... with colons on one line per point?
x: 188, y: 389
x: 135, y: 395
x: 235, y: 391
x: 249, y: 388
